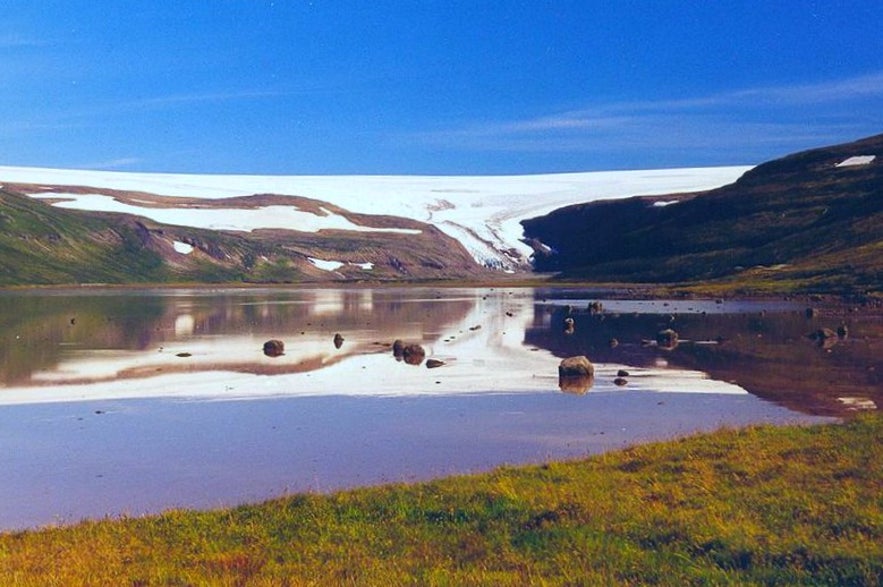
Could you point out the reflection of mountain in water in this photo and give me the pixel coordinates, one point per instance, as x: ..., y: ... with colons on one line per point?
x: 769, y: 354
x: 54, y: 338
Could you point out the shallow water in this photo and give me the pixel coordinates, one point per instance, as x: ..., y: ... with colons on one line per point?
x: 130, y: 402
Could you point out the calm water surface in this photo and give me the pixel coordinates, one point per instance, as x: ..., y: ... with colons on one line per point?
x: 131, y: 402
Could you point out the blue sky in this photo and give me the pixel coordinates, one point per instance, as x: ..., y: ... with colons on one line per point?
x: 432, y: 87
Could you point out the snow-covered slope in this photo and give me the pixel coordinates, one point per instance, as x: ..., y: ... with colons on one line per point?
x: 482, y: 212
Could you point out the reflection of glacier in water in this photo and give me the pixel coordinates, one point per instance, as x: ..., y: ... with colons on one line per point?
x: 209, y: 346
x: 97, y: 410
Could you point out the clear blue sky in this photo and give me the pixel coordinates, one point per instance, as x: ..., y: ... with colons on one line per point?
x: 432, y: 87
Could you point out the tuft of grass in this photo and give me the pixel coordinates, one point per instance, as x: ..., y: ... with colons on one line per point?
x: 762, y: 505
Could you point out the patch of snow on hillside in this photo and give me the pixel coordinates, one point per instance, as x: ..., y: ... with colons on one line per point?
x: 856, y: 160
x: 326, y: 265
x: 663, y: 204
x: 238, y: 219
x: 483, y: 212
x: 182, y: 248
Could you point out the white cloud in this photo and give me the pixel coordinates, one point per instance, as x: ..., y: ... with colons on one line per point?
x: 119, y: 163
x: 18, y: 41
x: 770, y: 115
x: 202, y: 97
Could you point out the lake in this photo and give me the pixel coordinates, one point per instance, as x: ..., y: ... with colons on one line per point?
x: 127, y: 402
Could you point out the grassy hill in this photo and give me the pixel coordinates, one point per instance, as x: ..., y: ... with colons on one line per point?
x: 45, y: 245
x: 801, y: 222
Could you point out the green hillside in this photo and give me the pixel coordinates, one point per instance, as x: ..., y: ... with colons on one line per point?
x: 800, y: 222
x: 45, y: 245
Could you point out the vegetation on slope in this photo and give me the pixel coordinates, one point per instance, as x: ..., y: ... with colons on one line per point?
x: 764, y: 505
x: 44, y: 245
x: 800, y: 222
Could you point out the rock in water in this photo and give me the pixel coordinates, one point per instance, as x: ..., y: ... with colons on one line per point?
x: 274, y: 348
x: 667, y: 338
x: 338, y: 340
x: 413, y: 354
x: 579, y: 366
x: 576, y: 384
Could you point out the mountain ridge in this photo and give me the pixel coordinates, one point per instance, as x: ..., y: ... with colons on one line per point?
x: 808, y: 221
x: 41, y: 244
x: 804, y: 221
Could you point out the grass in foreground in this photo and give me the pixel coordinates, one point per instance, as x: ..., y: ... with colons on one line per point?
x: 763, y: 505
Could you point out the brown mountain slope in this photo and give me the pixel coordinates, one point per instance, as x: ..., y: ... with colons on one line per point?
x: 804, y: 221
x: 43, y: 245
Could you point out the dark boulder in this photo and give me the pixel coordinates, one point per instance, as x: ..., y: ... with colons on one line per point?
x: 434, y: 363
x: 338, y: 340
x: 274, y: 348
x: 413, y: 354
x: 397, y: 347
x: 667, y: 338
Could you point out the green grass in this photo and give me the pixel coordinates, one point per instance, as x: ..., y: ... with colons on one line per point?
x: 763, y: 505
